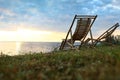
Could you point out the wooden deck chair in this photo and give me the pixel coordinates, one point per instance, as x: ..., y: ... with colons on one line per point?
x: 83, y: 26
x: 106, y: 34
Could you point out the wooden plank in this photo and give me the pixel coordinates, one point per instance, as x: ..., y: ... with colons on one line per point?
x: 88, y: 30
x: 85, y: 16
x: 81, y: 30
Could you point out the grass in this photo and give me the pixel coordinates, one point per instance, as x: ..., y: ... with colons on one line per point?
x: 101, y: 63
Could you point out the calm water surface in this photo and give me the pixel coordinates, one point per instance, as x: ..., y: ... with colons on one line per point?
x: 15, y: 48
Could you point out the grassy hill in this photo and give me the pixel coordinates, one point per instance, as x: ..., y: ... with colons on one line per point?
x: 101, y: 63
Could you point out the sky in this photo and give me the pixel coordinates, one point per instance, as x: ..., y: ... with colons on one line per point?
x: 49, y: 20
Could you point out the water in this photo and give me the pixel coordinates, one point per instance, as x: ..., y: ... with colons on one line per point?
x: 16, y: 48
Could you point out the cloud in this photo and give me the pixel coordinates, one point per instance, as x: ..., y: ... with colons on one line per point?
x: 116, y: 2
x: 56, y: 15
x: 6, y: 12
x: 112, y: 6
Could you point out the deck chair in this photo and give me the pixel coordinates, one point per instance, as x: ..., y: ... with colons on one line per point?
x: 106, y: 34
x: 83, y: 27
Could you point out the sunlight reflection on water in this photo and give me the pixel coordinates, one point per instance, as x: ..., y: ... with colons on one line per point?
x: 15, y: 48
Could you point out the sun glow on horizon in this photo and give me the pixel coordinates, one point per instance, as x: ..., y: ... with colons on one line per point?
x: 30, y: 35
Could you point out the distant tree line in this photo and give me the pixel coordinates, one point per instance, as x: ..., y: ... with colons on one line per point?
x: 112, y: 40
